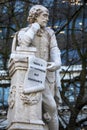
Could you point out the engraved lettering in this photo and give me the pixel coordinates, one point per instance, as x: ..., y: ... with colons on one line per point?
x: 35, y: 80
x: 36, y: 63
x: 36, y: 74
x: 38, y: 69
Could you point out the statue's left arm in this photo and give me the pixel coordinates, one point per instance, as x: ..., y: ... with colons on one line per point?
x: 55, y: 58
x: 55, y: 64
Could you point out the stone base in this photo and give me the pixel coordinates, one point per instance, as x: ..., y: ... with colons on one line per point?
x: 25, y: 126
x: 46, y: 127
x: 25, y: 109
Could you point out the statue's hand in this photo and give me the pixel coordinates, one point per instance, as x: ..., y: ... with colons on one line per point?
x: 35, y: 27
x: 52, y: 66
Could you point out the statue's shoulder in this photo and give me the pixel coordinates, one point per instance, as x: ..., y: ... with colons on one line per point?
x: 50, y: 31
x: 21, y: 30
x: 24, y: 29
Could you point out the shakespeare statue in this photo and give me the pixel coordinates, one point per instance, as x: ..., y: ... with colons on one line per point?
x: 44, y: 40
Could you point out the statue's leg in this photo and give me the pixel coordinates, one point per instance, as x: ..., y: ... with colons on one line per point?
x: 49, y: 105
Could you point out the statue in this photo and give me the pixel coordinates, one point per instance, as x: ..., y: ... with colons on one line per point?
x: 43, y: 39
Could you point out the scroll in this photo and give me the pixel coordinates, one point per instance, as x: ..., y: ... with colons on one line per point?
x: 35, y: 75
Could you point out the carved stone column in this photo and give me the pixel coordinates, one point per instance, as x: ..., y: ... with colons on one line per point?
x: 25, y: 110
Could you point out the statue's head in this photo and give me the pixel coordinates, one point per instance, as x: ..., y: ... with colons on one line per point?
x: 39, y: 14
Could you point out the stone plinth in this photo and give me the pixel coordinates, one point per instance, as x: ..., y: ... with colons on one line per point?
x: 25, y: 110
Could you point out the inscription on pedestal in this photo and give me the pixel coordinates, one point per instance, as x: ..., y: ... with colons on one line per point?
x: 35, y: 76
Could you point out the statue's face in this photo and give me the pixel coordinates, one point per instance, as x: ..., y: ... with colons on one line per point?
x: 42, y: 19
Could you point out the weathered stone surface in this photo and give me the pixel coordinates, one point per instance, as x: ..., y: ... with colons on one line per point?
x: 25, y: 110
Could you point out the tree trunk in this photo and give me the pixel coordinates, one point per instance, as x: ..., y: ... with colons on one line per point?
x: 72, y: 122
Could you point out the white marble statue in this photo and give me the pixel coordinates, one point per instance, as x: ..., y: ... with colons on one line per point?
x: 43, y: 39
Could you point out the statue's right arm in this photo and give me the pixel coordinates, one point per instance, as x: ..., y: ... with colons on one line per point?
x: 25, y: 37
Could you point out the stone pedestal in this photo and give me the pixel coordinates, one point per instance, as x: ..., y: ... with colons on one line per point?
x: 25, y: 110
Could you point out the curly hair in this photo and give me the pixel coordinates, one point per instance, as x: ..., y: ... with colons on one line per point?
x: 35, y: 11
